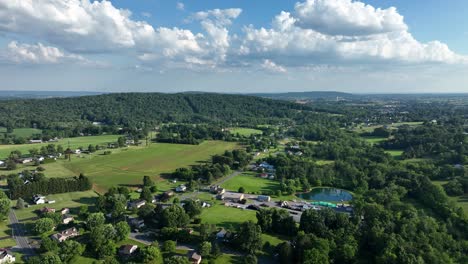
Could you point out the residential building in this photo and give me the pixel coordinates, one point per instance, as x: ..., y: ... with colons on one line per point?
x: 263, y: 198
x: 6, y: 256
x: 181, y: 188
x: 66, y: 219
x: 39, y: 199
x: 195, y: 258
x: 64, y: 211
x: 136, y: 204
x: 65, y: 234
x: 47, y: 210
x: 127, y: 249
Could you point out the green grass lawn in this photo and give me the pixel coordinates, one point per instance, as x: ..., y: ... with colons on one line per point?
x: 251, y: 184
x: 128, y: 167
x: 5, y: 236
x: 74, y: 143
x: 245, y: 131
x: 395, y: 153
x: 227, y: 217
x: 72, y: 200
x: 374, y: 140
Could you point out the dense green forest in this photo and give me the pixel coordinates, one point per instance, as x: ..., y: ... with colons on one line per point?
x: 137, y: 108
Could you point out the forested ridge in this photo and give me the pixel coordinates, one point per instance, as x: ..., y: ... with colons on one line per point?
x: 135, y: 108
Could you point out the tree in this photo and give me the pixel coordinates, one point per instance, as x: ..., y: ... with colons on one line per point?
x: 50, y: 258
x: 146, y: 211
x: 43, y: 225
x: 250, y: 259
x: 241, y: 189
x: 192, y: 208
x: 48, y: 244
x: 122, y: 231
x: 91, y: 148
x: 10, y: 164
x: 95, y: 220
x: 69, y: 249
x: 20, y: 203
x: 150, y: 255
x: 205, y: 248
x: 146, y: 194
x: 174, y: 216
x: 176, y: 260
x: 169, y: 246
x: 121, y: 141
x: 4, y: 205
x: 147, y: 182
x: 249, y: 237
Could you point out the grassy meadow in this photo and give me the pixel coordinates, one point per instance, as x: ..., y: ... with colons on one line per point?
x: 245, y: 131
x: 251, y: 183
x: 127, y: 167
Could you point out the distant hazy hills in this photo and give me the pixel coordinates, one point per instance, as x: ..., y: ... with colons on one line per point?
x: 5, y: 95
x: 298, y: 96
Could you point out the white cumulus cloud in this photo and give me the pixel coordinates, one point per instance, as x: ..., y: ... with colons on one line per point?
x: 39, y: 54
x: 273, y: 67
x: 347, y: 17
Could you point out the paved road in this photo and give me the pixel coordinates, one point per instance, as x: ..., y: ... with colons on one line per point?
x: 19, y: 234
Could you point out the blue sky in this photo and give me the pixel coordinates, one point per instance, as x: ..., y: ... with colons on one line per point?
x: 386, y: 46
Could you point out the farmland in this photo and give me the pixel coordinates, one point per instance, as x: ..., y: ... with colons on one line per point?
x: 127, y: 167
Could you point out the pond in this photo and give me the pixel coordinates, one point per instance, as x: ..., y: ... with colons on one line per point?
x: 326, y: 194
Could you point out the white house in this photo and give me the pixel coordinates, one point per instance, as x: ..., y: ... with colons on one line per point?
x: 26, y: 160
x: 77, y: 151
x: 39, y: 199
x: 41, y: 159
x: 136, y: 204
x: 181, y: 188
x: 2, y: 163
x: 35, y: 141
x: 6, y: 256
x: 128, y: 249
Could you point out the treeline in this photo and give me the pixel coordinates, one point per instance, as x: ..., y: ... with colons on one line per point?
x: 44, y: 186
x: 191, y: 134
x: 135, y: 109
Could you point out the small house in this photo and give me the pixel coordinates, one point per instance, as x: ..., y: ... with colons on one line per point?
x: 66, y: 219
x: 39, y: 199
x: 136, y: 204
x: 221, y: 234
x: 127, y: 250
x: 6, y: 256
x: 46, y: 210
x: 65, y: 234
x: 64, y: 211
x: 235, y: 197
x: 136, y: 222
x: 35, y: 141
x: 181, y: 188
x: 26, y: 160
x: 195, y: 258
x: 263, y: 198
x: 2, y: 163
